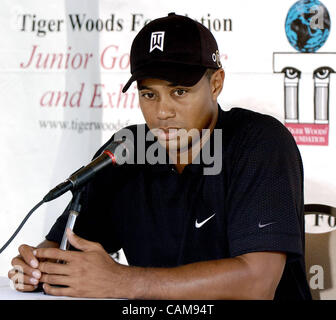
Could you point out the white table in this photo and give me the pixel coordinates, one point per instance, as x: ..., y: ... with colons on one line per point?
x: 7, y: 293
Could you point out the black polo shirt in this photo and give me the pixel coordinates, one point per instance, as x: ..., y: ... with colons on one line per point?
x: 161, y: 218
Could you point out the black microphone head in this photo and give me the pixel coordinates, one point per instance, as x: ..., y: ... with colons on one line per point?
x: 122, y: 150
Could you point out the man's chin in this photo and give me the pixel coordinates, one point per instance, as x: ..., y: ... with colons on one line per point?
x: 175, y: 145
x: 172, y: 144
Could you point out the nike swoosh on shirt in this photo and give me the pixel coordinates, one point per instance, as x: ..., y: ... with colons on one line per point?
x: 200, y: 224
x: 264, y: 225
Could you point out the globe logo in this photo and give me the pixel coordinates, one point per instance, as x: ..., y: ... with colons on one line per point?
x: 307, y: 25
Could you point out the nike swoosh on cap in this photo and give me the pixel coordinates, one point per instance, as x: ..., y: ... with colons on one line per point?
x: 200, y: 224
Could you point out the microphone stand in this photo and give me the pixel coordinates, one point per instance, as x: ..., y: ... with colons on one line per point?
x: 75, y: 208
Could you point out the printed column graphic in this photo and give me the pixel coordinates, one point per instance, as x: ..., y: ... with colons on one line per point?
x: 321, y: 94
x: 292, y: 77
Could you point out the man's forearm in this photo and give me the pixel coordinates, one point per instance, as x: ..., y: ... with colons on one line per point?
x: 219, y: 279
x: 91, y: 272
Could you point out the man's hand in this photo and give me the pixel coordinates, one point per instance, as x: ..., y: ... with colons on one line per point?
x: 91, y: 273
x: 25, y: 275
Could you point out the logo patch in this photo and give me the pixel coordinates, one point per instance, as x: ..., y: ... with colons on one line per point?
x: 200, y: 224
x: 157, y: 41
x: 264, y: 225
x: 216, y: 58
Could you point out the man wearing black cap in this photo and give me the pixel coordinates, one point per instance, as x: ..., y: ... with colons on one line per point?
x: 233, y: 234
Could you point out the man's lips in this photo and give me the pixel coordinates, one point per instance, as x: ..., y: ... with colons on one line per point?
x: 166, y: 133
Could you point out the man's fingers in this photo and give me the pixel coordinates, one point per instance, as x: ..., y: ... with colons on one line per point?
x: 56, y: 279
x: 54, y: 253
x: 54, y: 268
x: 24, y: 287
x: 81, y: 243
x: 21, y: 267
x: 26, y: 253
x: 21, y: 281
x: 18, y: 278
x: 56, y: 291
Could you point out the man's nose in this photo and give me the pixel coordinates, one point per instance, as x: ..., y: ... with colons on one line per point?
x: 165, y: 109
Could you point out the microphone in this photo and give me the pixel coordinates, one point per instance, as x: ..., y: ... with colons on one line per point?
x: 116, y: 153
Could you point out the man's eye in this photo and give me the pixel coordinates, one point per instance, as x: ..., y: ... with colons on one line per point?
x: 148, y: 95
x: 180, y: 92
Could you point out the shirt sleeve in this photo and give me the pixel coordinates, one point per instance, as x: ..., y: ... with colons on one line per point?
x: 265, y: 198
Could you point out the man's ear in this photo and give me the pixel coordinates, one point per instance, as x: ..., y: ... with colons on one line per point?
x: 216, y: 83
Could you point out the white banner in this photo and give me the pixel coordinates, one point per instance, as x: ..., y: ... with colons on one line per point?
x: 63, y: 65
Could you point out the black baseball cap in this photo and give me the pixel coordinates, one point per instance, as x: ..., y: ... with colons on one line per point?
x: 173, y: 48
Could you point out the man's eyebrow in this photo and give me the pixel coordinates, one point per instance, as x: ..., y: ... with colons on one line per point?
x: 170, y: 84
x: 175, y: 84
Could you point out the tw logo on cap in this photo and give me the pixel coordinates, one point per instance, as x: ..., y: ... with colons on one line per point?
x: 157, y: 40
